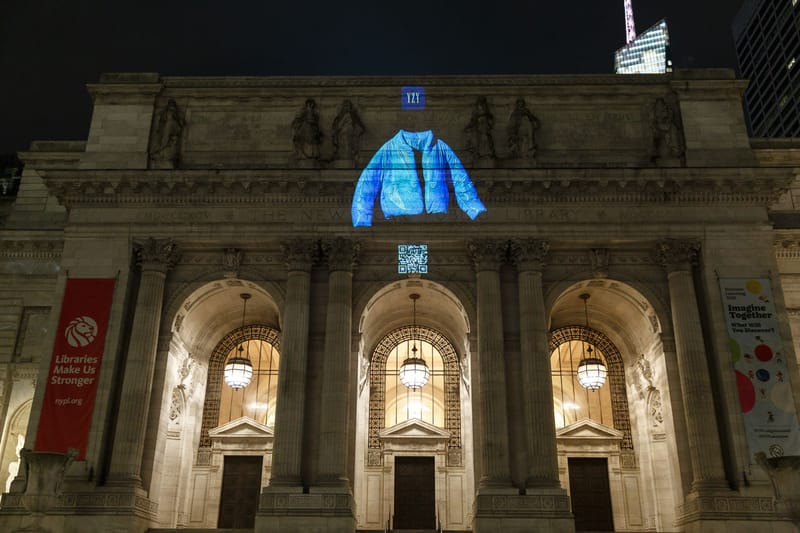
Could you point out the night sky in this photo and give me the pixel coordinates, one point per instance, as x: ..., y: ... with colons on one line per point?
x: 49, y: 49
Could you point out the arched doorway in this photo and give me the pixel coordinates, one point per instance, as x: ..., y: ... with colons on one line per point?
x: 207, y: 421
x: 618, y: 436
x: 413, y: 445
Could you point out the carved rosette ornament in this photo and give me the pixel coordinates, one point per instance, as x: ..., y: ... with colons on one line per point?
x: 299, y: 254
x: 341, y: 254
x: 677, y: 255
x: 529, y: 254
x: 487, y: 254
x: 156, y: 254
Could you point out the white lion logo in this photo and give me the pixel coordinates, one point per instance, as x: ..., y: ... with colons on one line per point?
x: 81, y: 331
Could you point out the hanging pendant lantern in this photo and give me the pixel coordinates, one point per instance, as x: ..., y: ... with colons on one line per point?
x: 591, y: 370
x: 238, y: 372
x: 414, y: 372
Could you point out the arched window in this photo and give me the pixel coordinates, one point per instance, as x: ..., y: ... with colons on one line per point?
x: 437, y: 403
x: 426, y: 403
x: 609, y: 405
x: 571, y: 401
x: 258, y: 399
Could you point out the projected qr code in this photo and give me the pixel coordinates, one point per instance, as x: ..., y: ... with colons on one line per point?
x: 412, y: 259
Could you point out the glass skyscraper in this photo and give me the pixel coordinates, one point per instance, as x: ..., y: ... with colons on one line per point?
x: 767, y: 35
x: 647, y: 54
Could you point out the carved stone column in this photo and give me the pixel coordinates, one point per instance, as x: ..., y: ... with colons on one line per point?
x: 287, y: 452
x: 678, y: 257
x: 537, y: 385
x: 341, y: 255
x: 488, y: 255
x: 155, y: 258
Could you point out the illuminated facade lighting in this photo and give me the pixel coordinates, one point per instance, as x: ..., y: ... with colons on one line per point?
x: 647, y: 54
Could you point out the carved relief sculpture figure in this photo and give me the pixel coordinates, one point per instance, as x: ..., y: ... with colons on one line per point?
x: 306, y: 134
x: 166, y: 147
x: 479, y: 130
x: 667, y: 134
x: 522, y: 126
x: 347, y: 132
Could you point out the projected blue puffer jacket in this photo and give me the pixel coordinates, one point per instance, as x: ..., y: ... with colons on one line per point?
x: 393, y: 172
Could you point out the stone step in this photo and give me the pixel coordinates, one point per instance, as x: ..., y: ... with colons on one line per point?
x: 198, y: 530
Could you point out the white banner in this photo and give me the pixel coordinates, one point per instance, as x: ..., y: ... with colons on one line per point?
x: 762, y: 378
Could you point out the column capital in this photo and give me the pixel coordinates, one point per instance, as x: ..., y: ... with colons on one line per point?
x: 487, y: 254
x: 677, y: 255
x: 529, y: 254
x: 299, y: 254
x: 156, y: 254
x: 340, y: 253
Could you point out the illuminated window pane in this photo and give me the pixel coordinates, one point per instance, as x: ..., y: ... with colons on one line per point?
x: 571, y: 401
x: 257, y: 400
x: 426, y: 403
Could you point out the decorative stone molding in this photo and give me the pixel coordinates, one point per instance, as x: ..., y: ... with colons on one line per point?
x: 341, y: 254
x: 725, y: 508
x: 487, y: 254
x: 536, y: 186
x: 299, y: 254
x: 25, y: 372
x: 292, y: 503
x: 676, y: 254
x: 655, y: 411
x: 31, y: 249
x: 156, y: 254
x: 787, y: 248
x: 72, y: 503
x: 528, y: 254
x: 508, y: 505
x: 176, y: 403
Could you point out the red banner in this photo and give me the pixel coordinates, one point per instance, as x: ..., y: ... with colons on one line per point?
x: 75, y: 366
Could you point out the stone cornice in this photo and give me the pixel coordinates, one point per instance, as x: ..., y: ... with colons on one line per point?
x: 721, y: 78
x: 742, y: 186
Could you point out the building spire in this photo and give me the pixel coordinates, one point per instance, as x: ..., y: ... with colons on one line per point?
x: 630, y: 25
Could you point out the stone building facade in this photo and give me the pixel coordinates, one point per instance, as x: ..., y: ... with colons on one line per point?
x: 642, y: 192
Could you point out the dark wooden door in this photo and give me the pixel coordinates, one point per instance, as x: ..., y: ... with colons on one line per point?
x: 241, y: 486
x: 591, y: 495
x: 414, y: 493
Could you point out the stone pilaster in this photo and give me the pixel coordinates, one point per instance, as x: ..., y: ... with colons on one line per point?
x: 155, y: 257
x: 341, y: 256
x: 537, y: 386
x: 487, y: 256
x: 287, y: 451
x: 678, y: 257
